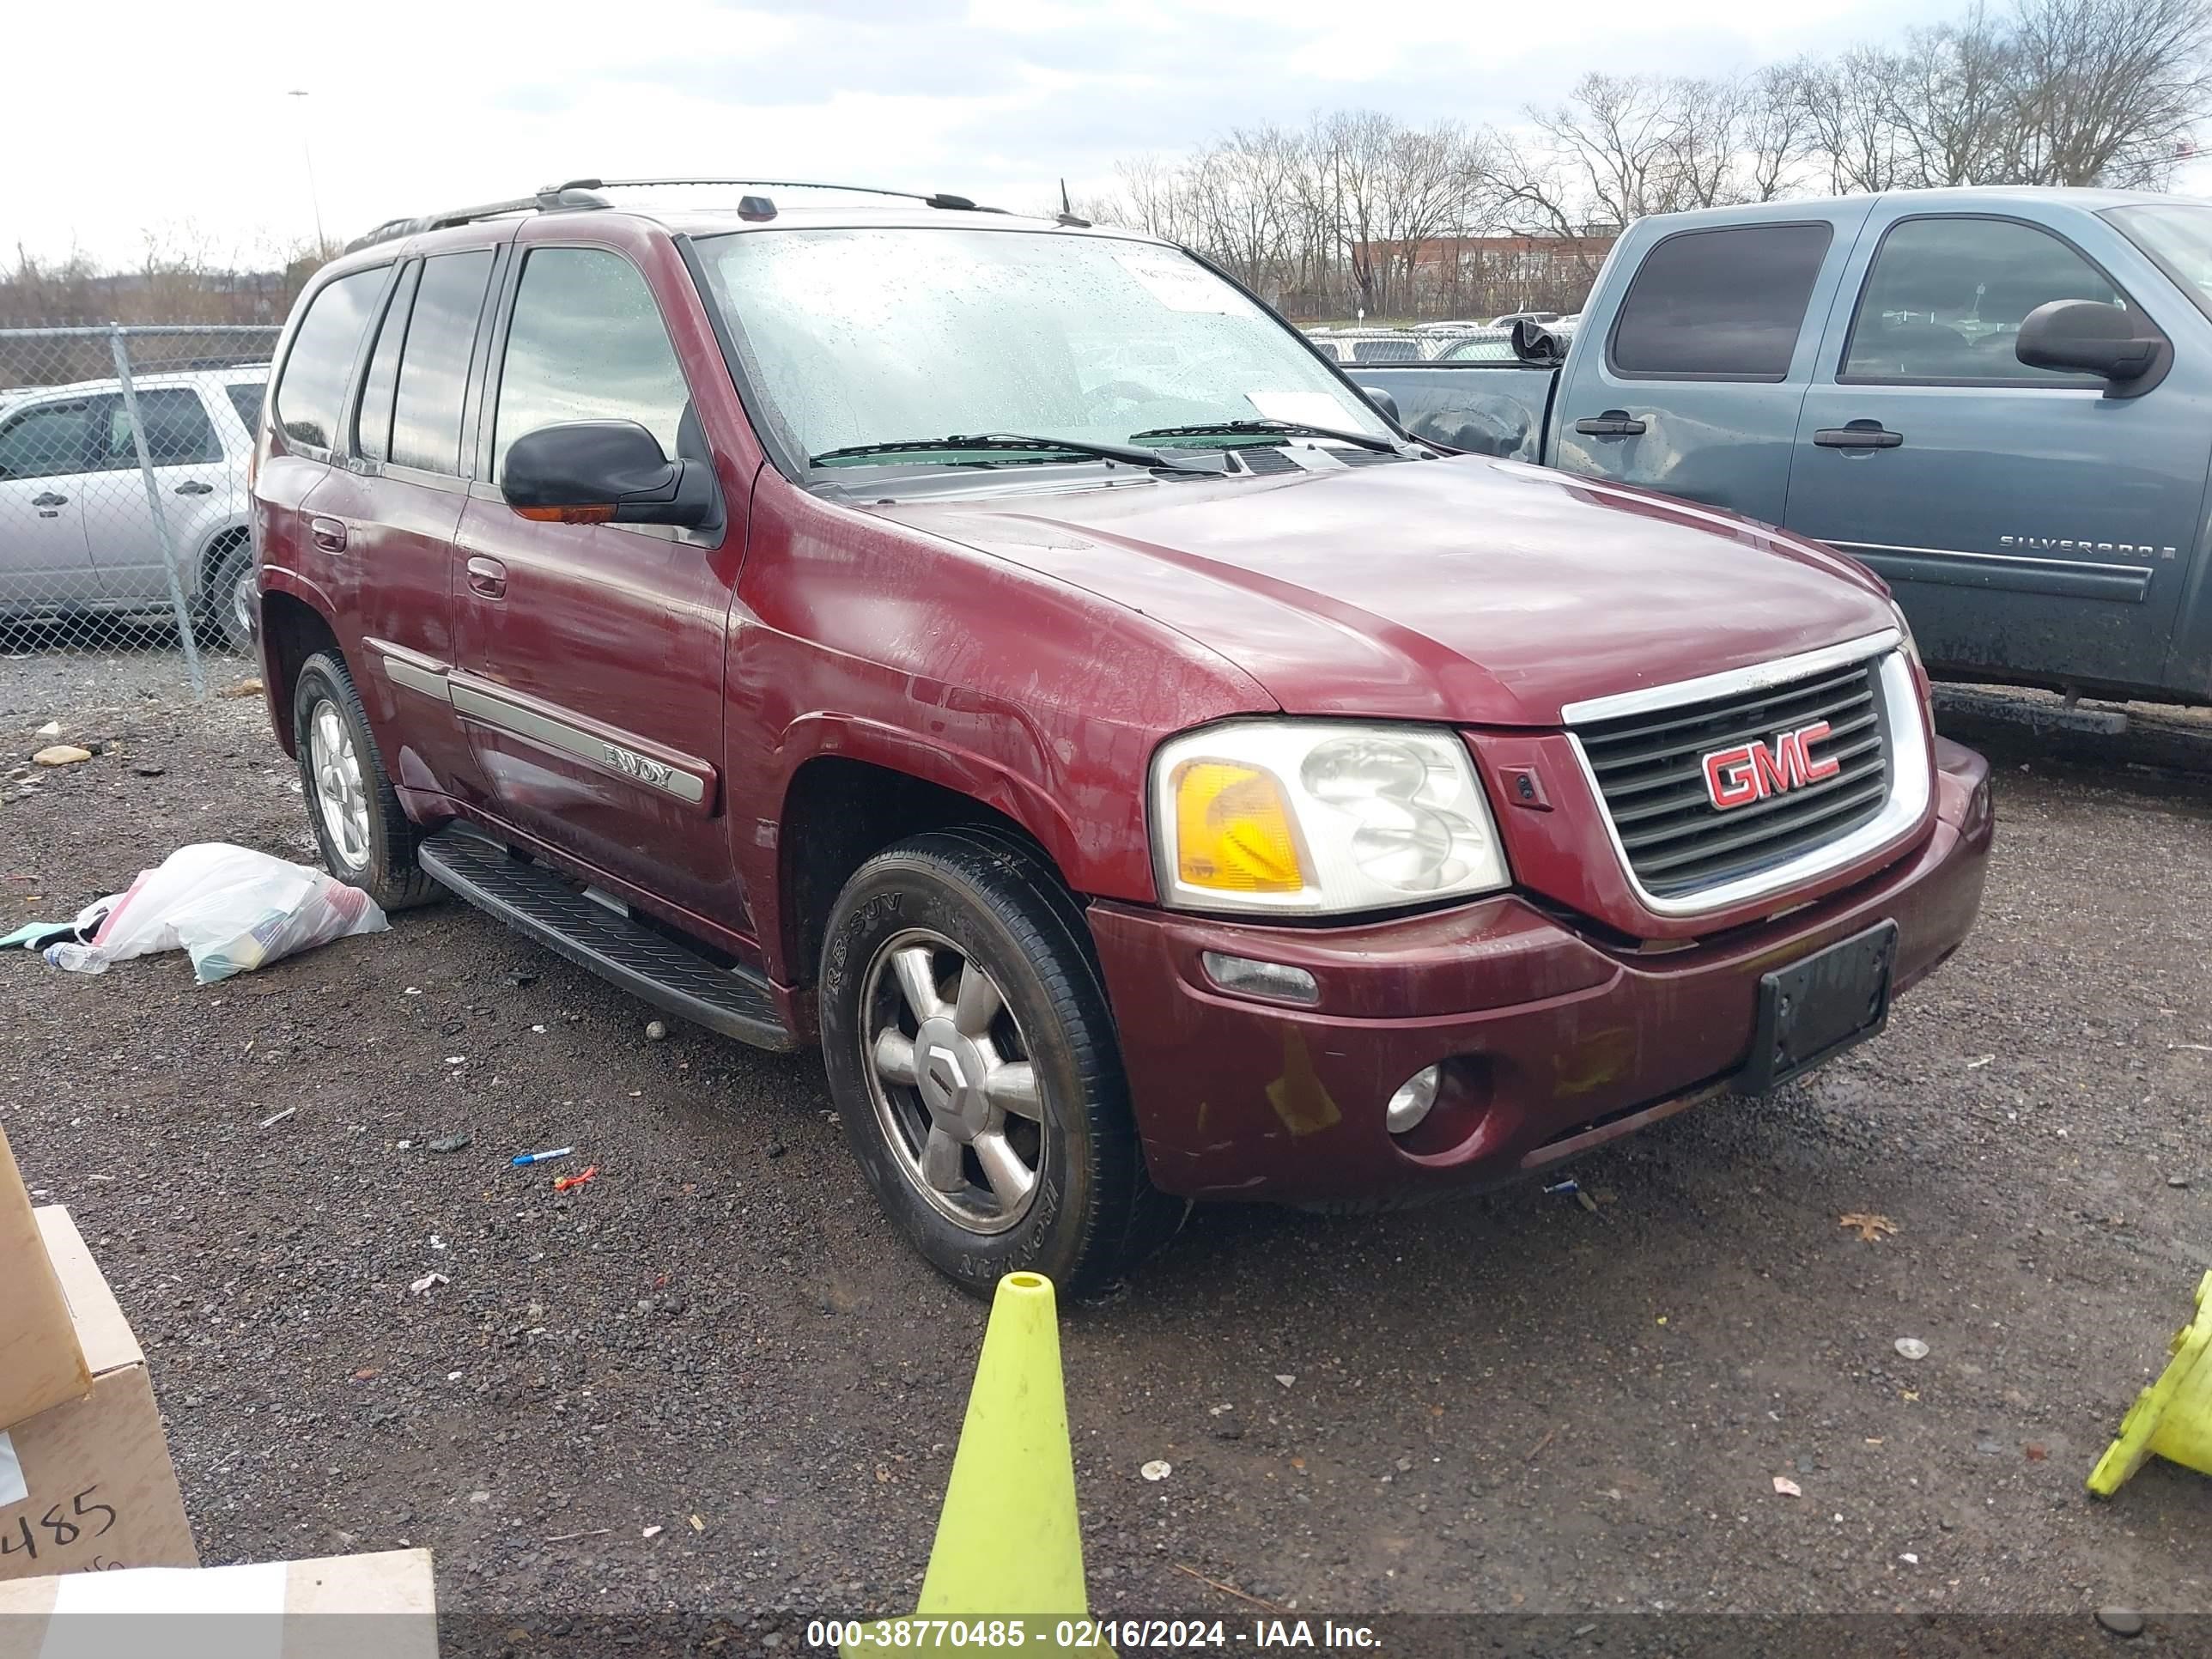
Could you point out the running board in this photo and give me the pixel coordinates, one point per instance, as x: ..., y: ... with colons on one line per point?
x: 532, y: 899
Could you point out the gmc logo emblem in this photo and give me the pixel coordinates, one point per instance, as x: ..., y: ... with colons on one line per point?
x: 1752, y: 771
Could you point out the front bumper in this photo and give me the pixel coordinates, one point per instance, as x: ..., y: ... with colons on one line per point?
x: 1555, y: 1041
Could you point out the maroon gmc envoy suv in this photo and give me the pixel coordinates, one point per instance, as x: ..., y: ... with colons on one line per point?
x: 1004, y: 652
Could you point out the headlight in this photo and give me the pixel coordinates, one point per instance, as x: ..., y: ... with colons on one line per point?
x: 1305, y: 817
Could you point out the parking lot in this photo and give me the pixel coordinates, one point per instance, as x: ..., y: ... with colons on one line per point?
x: 1517, y: 1402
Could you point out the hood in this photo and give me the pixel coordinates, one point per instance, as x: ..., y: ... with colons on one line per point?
x: 1467, y: 590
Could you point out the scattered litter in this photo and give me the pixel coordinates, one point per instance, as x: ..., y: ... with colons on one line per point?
x: 571, y: 1537
x: 2171, y: 1181
x: 1788, y: 1487
x: 424, y: 1283
x: 1216, y: 1411
x: 412, y: 991
x: 650, y: 1532
x: 479, y: 1497
x: 562, y: 1184
x: 449, y: 1143
x: 436, y: 1243
x: 2193, y: 1047
x: 455, y: 1377
x: 519, y: 980
x: 541, y: 1157
x: 540, y: 1030
x: 271, y: 1122
x: 1910, y: 1559
x: 1158, y: 1469
x: 1977, y: 1065
x: 1550, y: 1435
x: 1570, y: 1185
x: 1228, y: 1589
x: 457, y: 1060
x: 364, y: 1374
x: 61, y: 753
x: 248, y: 688
x: 655, y: 1030
x: 51, y: 729
x: 231, y: 909
x: 2035, y: 1453
x: 1912, y: 1347
x: 406, y: 1145
x: 37, y: 935
x: 453, y: 1028
x: 1873, y: 1229
x: 697, y: 1525
x: 143, y: 771
x: 1285, y: 1379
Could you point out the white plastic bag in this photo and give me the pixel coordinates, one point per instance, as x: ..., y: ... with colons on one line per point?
x: 231, y: 907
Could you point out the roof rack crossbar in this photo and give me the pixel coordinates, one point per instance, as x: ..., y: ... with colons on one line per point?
x: 938, y: 199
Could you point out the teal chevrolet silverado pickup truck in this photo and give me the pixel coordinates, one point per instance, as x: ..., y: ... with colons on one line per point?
x: 2000, y: 399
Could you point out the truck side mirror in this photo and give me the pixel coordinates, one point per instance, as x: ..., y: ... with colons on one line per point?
x: 1383, y: 401
x: 2083, y: 337
x: 604, y: 473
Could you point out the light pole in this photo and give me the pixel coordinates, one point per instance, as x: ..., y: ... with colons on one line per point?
x: 306, y: 150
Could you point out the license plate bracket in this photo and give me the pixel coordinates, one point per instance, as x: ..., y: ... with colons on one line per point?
x: 1815, y: 1008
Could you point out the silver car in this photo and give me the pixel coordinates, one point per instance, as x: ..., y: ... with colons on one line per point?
x: 77, y: 531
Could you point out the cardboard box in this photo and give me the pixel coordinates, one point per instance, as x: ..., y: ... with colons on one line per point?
x: 88, y: 1484
x: 40, y: 1362
x: 345, y: 1606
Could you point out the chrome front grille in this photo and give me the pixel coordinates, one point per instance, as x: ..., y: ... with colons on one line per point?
x: 1649, y: 767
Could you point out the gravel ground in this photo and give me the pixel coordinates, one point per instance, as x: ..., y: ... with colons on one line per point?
x: 1510, y: 1403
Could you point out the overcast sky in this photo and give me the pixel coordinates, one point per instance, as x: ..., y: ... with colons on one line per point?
x: 179, y: 121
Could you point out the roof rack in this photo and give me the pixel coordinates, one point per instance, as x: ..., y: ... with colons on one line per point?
x: 939, y: 199
x: 579, y: 195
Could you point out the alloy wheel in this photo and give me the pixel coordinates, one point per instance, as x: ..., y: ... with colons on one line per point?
x: 341, y: 798
x: 950, y: 1074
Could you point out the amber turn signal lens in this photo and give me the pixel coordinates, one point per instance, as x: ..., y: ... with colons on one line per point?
x: 567, y: 514
x: 1233, y: 830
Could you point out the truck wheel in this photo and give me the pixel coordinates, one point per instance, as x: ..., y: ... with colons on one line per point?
x: 367, y: 840
x: 973, y: 1063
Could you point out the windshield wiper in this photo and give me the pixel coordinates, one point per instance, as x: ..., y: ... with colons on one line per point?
x: 1009, y: 442
x: 1267, y: 428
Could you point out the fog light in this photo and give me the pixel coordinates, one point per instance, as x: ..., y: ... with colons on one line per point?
x: 1273, y: 980
x: 1412, y: 1102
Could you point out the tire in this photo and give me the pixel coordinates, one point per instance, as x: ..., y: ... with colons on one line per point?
x: 367, y: 840
x: 224, y: 625
x: 969, y: 898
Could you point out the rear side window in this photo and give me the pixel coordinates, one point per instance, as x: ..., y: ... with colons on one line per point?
x: 586, y: 344
x: 1945, y: 298
x: 1386, y: 351
x: 434, y: 368
x: 1719, y: 305
x: 178, y: 430
x: 312, y: 388
x: 245, y: 398
x: 372, y: 421
x: 45, y: 441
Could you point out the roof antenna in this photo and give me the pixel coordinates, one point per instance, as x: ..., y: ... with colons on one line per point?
x: 1066, y: 214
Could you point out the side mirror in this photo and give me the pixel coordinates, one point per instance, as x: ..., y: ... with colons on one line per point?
x: 2082, y: 337
x: 1383, y: 401
x: 604, y: 473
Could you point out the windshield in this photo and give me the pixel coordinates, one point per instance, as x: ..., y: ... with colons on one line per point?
x: 881, y: 335
x: 2178, y: 238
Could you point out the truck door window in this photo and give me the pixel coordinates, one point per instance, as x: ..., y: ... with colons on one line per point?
x: 246, y: 398
x: 46, y: 443
x: 434, y: 368
x: 1943, y: 303
x: 178, y: 431
x: 1719, y: 305
x: 586, y: 344
x: 312, y: 388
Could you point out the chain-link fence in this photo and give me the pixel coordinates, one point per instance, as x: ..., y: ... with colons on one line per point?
x: 123, y: 520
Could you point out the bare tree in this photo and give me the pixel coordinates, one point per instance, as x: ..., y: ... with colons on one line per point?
x: 2109, y: 91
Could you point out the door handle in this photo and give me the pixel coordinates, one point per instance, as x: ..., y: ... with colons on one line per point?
x: 1614, y: 423
x: 194, y: 487
x: 1859, y: 434
x: 47, y: 498
x: 487, y: 577
x: 328, y: 533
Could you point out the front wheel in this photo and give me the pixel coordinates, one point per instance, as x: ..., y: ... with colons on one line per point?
x: 231, y: 599
x: 973, y: 1063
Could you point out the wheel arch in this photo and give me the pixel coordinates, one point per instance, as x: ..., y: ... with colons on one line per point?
x: 292, y: 630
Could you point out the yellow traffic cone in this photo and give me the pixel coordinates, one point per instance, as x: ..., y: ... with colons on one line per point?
x: 1008, y: 1544
x: 2174, y: 1416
